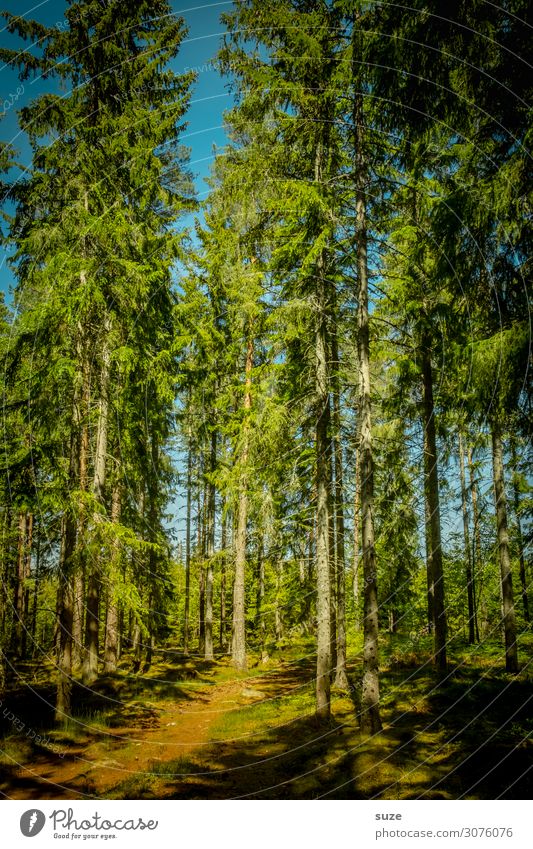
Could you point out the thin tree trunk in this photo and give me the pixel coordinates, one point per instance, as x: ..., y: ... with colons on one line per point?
x: 79, y: 577
x: 64, y: 660
x: 77, y: 623
x: 28, y: 547
x: 238, y: 648
x: 210, y: 530
x: 476, y: 551
x: 431, y: 478
x: 90, y: 662
x: 278, y: 618
x: 92, y: 629
x: 468, y: 548
x: 20, y: 580
x: 429, y: 555
x: 136, y: 645
x: 111, y: 636
x: 520, y: 539
x: 260, y: 615
x: 36, y: 592
x: 223, y: 544
x: 356, y: 529
x: 188, y: 547
x: 201, y: 610
x: 324, y: 635
x: 331, y: 534
x: 370, y: 715
x: 65, y: 591
x: 341, y: 679
x: 509, y: 619
x: 324, y: 521
x: 201, y: 574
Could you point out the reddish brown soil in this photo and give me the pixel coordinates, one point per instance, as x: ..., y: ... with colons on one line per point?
x: 154, y: 735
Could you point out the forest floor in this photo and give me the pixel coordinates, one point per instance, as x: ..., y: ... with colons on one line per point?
x: 186, y: 728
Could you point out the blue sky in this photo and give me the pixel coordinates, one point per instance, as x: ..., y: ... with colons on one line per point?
x: 210, y: 96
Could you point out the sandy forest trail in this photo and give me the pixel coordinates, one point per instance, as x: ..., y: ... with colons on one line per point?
x: 189, y: 729
x: 154, y: 744
x: 156, y: 734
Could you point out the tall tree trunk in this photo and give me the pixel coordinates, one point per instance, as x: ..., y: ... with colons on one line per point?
x: 322, y: 450
x: 64, y: 660
x: 429, y: 556
x: 77, y: 622
x: 210, y: 530
x: 238, y: 648
x: 509, y: 619
x: 201, y: 575
x: 370, y: 715
x: 341, y: 679
x: 90, y: 661
x: 356, y: 530
x: 476, y: 551
x: 111, y: 637
x: 92, y: 628
x: 431, y: 481
x: 136, y: 644
x: 324, y: 521
x: 468, y: 549
x: 520, y: 538
x: 331, y: 534
x: 28, y: 547
x: 20, y: 582
x: 278, y: 618
x: 65, y: 592
x: 36, y: 592
x: 188, y: 547
x: 260, y: 615
x: 79, y: 577
x: 223, y: 545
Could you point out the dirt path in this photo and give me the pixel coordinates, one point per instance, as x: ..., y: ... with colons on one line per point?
x: 159, y: 732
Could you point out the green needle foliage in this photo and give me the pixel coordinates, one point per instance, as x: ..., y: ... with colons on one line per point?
x: 309, y: 417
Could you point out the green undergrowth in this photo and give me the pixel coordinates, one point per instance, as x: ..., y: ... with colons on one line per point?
x: 468, y: 734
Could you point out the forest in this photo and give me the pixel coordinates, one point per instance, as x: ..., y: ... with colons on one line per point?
x: 266, y: 509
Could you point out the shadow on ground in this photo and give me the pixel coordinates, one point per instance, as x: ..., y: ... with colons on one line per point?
x: 466, y: 737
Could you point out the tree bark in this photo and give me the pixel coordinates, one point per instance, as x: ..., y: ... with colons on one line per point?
x: 28, y: 547
x: 20, y: 583
x: 476, y: 551
x: 210, y: 530
x: 223, y: 544
x: 331, y: 525
x: 509, y: 619
x: 65, y: 593
x: 36, y: 592
x: 90, y: 661
x: 188, y: 547
x: 322, y: 451
x: 341, y: 678
x: 520, y: 538
x: 356, y: 530
x: 370, y: 720
x: 429, y: 556
x: 201, y: 577
x: 77, y: 622
x: 278, y: 618
x: 111, y: 635
x: 468, y: 549
x: 238, y: 648
x: 260, y: 614
x: 79, y: 577
x: 431, y: 481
